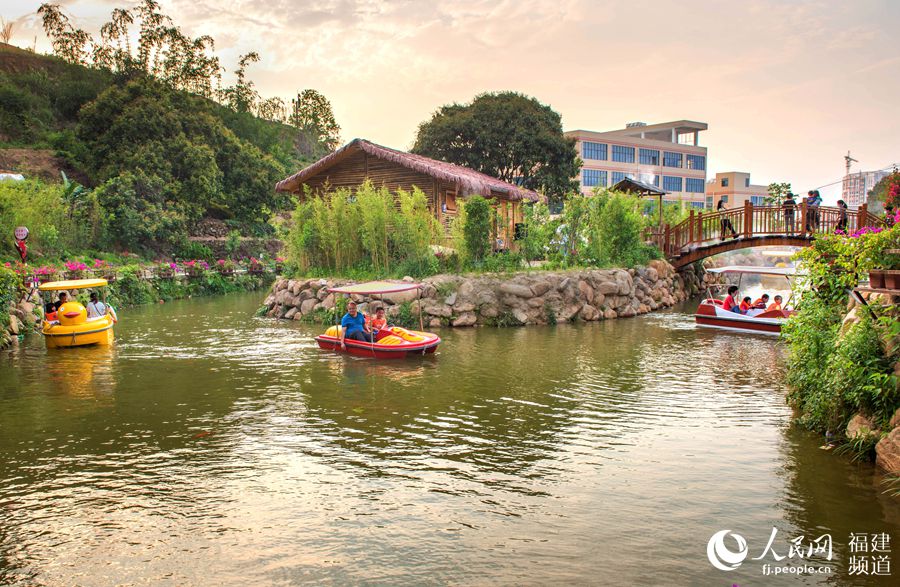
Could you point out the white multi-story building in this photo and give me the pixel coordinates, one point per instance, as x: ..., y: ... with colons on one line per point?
x: 666, y: 155
x: 856, y: 187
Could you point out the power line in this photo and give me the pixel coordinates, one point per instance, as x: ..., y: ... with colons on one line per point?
x: 841, y: 180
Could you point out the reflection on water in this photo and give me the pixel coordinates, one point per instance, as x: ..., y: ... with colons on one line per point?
x: 207, y: 446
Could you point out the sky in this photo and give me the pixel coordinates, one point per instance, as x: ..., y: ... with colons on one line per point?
x: 787, y: 87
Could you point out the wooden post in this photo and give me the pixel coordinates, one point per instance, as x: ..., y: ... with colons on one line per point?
x: 862, y: 215
x: 667, y: 240
x: 691, y: 224
x: 700, y: 226
x: 803, y: 218
x: 748, y: 219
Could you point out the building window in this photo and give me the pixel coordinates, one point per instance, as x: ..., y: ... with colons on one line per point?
x: 671, y: 184
x: 594, y: 177
x: 593, y: 150
x: 746, y: 182
x: 724, y: 182
x: 671, y: 202
x: 696, y: 162
x: 698, y: 205
x: 649, y: 157
x: 623, y: 154
x: 724, y: 199
x: 758, y: 200
x: 709, y: 202
x: 671, y: 159
x: 618, y: 176
x: 695, y: 186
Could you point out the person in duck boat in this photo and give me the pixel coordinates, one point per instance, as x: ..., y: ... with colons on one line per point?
x: 353, y: 326
x: 51, y: 307
x: 775, y: 305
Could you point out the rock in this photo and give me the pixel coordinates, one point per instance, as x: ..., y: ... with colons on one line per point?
x: 466, y: 289
x: 438, y: 310
x: 306, y: 294
x: 434, y: 323
x: 451, y: 299
x: 849, y: 320
x: 520, y: 316
x: 587, y: 292
x: 328, y: 302
x: 887, y: 452
x: 307, y: 305
x: 295, y: 287
x: 859, y: 425
x: 401, y: 297
x: 517, y: 289
x: 541, y: 287
x: 599, y: 299
x: 588, y: 313
x: 464, y: 307
x: 298, y: 316
x: 624, y: 283
x: 465, y: 319
x: 610, y: 314
x: 289, y: 315
x: 13, y: 324
x: 607, y: 288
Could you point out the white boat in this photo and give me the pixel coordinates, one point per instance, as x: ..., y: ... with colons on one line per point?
x: 712, y: 313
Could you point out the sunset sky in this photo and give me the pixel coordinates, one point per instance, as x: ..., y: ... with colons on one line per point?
x: 787, y: 88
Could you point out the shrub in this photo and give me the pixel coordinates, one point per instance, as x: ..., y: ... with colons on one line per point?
x: 477, y: 228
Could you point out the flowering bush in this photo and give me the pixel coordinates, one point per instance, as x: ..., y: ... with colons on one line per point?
x: 255, y: 265
x: 100, y: 265
x: 225, y: 266
x: 75, y: 266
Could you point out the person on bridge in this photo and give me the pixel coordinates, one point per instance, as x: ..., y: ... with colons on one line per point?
x: 789, y: 206
x: 813, y: 201
x: 725, y: 222
x: 841, y: 227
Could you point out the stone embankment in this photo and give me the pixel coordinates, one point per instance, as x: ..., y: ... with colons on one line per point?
x: 537, y: 297
x: 23, y: 317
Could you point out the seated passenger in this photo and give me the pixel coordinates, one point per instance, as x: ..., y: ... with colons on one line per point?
x: 745, y: 305
x: 51, y: 307
x: 353, y: 326
x: 775, y: 305
x: 761, y: 303
x: 378, y: 321
x: 730, y: 304
x: 96, y: 308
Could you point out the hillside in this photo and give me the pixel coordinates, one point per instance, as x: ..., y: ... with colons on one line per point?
x: 158, y: 160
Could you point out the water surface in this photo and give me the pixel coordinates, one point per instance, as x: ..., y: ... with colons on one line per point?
x: 211, y: 447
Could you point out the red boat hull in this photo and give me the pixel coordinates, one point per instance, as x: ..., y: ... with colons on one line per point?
x: 380, y: 351
x: 710, y: 313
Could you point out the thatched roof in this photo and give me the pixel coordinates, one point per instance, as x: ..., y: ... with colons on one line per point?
x: 468, y: 181
x: 629, y: 185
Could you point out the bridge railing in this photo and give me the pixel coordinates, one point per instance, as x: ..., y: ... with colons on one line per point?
x: 749, y: 221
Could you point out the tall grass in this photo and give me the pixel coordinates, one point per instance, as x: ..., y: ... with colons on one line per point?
x: 367, y: 229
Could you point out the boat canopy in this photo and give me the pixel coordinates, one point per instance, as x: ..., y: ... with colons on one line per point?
x: 375, y: 287
x: 72, y: 284
x: 749, y: 269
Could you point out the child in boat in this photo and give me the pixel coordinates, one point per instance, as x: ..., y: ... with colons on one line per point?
x: 762, y: 302
x: 775, y: 305
x: 745, y: 305
x: 378, y: 322
x: 730, y: 304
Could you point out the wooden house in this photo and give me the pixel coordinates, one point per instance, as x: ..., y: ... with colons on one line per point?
x: 443, y: 183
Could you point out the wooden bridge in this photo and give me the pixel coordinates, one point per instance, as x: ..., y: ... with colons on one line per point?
x: 700, y: 235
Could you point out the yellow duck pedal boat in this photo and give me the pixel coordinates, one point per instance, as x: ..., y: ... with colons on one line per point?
x: 71, y: 326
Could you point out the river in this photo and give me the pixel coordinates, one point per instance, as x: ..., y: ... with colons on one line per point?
x: 208, y: 446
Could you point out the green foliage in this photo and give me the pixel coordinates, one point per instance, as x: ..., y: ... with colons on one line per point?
x: 57, y: 226
x: 406, y: 317
x: 348, y: 231
x: 550, y: 313
x: 860, y: 448
x: 318, y: 132
x: 232, y: 242
x: 10, y: 284
x: 616, y: 233
x: 537, y: 229
x: 885, y: 193
x: 477, y: 228
x: 506, y: 135
x: 834, y: 375
x: 778, y: 192
x: 504, y: 319
x: 188, y: 249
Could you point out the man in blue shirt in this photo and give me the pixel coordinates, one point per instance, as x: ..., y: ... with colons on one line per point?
x: 353, y: 326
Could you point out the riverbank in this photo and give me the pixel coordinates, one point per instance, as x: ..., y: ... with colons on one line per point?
x: 535, y: 297
x: 132, y: 287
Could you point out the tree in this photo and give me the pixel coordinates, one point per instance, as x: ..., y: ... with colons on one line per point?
x: 242, y: 97
x: 69, y: 43
x: 506, y: 135
x: 777, y: 193
x: 477, y: 229
x: 312, y: 115
x: 885, y: 193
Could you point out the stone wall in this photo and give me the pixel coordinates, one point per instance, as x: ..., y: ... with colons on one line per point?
x: 536, y: 297
x: 24, y: 316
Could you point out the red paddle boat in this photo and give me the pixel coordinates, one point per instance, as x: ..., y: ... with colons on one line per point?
x: 711, y: 312
x: 391, y: 342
